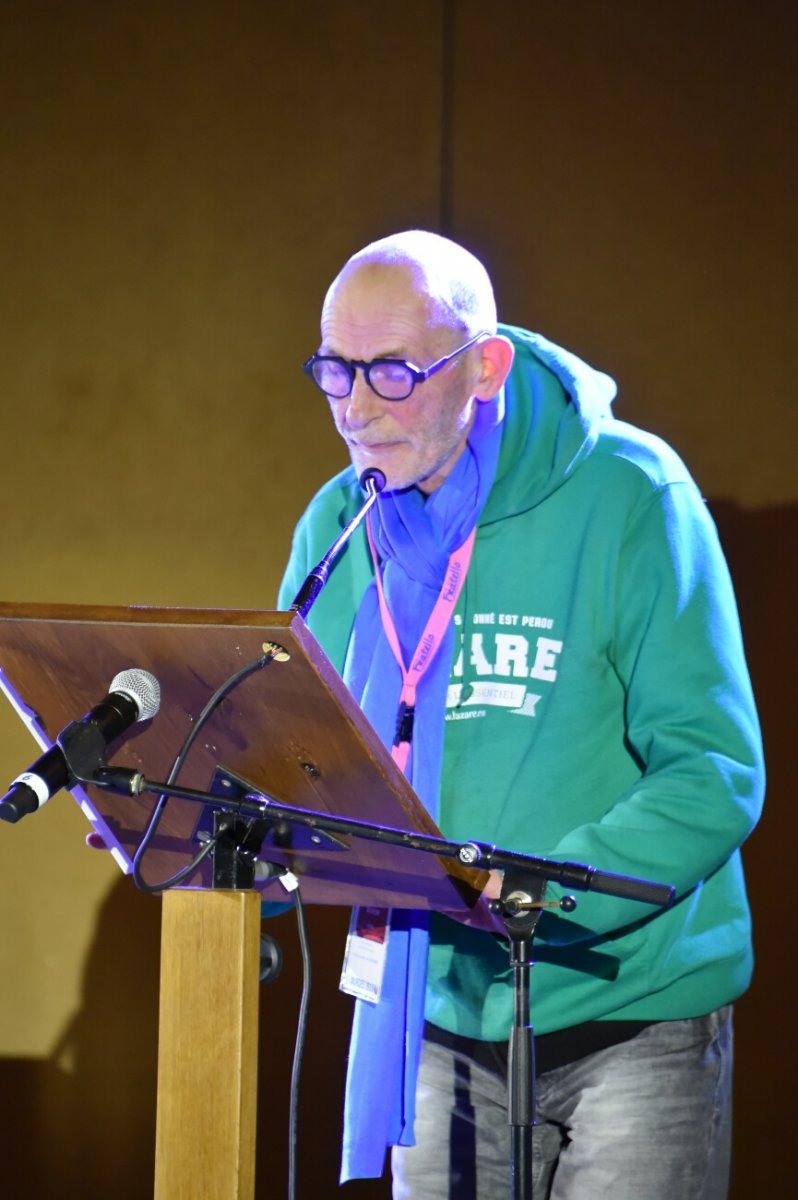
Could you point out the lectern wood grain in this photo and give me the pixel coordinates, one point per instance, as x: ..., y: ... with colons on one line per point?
x: 208, y: 1046
x: 292, y: 730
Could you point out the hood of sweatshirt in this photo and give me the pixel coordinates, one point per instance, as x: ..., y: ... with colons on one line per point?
x: 554, y: 406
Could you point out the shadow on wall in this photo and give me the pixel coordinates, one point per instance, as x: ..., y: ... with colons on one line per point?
x: 761, y: 549
x: 82, y: 1123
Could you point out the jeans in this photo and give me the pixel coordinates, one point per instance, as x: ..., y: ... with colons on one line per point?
x: 648, y: 1119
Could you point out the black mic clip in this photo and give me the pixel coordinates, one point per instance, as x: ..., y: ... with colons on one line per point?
x: 83, y: 747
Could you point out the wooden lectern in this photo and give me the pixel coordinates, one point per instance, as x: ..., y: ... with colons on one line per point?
x: 291, y: 731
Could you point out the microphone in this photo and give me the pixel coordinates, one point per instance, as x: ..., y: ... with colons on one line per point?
x: 134, y: 695
x: 372, y: 482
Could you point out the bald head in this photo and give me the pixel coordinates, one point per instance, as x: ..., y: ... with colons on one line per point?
x: 449, y: 281
x: 424, y: 303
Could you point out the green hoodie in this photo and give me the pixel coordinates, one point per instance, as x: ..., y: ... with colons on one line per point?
x: 599, y: 708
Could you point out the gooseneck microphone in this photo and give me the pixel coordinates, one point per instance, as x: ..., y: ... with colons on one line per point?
x: 134, y: 695
x: 372, y: 482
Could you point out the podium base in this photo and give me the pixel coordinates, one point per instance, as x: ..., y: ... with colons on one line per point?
x: 208, y: 1048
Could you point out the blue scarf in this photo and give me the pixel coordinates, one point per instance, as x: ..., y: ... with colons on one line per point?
x: 414, y: 537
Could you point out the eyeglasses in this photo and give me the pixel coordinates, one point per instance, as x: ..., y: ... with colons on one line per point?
x: 389, y: 378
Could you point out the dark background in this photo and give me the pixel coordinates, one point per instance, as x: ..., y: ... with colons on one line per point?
x: 178, y: 184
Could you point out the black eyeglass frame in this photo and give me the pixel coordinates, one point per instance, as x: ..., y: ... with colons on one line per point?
x: 352, y: 365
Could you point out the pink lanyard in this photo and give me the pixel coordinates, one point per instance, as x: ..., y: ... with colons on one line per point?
x: 429, y: 644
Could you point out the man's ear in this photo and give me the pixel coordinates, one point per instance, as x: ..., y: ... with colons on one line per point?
x: 497, y: 359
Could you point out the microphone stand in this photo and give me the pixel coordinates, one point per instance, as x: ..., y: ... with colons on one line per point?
x: 520, y: 906
x: 478, y: 855
x: 242, y: 822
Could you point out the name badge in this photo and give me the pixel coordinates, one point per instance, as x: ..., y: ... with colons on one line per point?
x: 364, y: 957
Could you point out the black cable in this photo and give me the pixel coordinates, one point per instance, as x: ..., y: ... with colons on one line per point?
x: 220, y: 694
x: 299, y: 1048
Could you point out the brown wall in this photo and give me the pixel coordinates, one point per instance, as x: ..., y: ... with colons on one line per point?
x: 178, y: 183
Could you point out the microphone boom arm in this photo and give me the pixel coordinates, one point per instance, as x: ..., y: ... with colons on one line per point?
x: 372, y: 481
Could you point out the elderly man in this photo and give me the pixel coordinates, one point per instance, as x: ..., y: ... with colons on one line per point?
x: 587, y: 701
